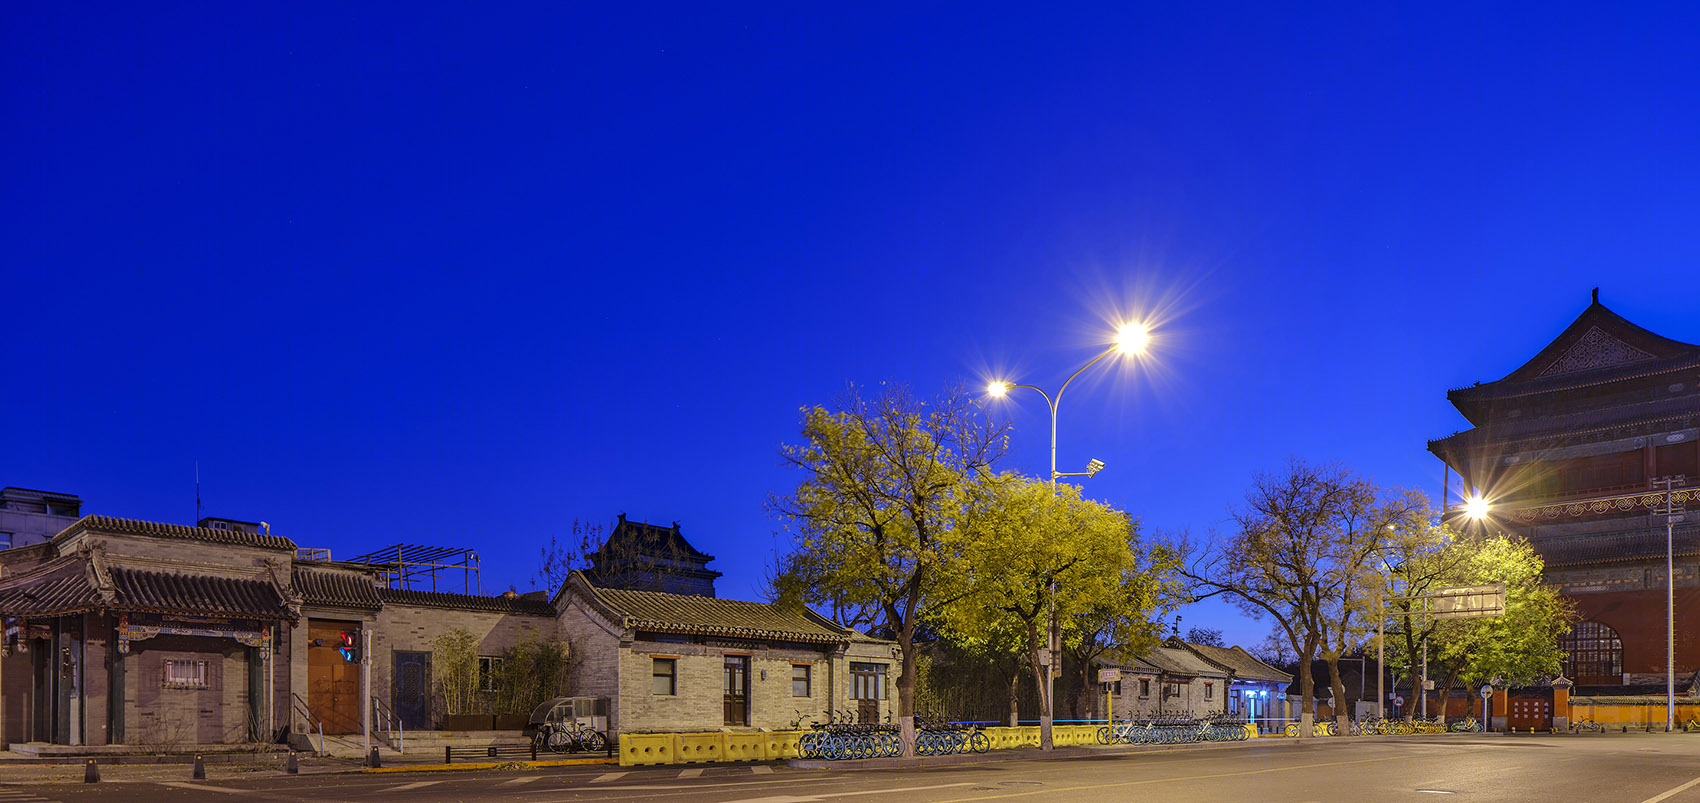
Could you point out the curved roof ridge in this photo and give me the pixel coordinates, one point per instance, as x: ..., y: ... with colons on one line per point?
x: 155, y: 529
x: 1612, y: 325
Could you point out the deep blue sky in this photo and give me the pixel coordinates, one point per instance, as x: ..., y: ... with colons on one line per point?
x: 458, y: 275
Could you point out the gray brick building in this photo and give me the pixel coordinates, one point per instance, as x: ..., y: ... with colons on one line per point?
x: 149, y: 634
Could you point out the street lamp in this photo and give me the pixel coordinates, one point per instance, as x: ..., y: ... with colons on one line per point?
x: 1131, y: 339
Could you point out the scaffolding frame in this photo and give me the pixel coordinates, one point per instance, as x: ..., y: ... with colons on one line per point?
x: 406, y: 567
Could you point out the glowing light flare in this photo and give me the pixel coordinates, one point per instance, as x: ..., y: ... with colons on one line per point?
x: 1132, y: 338
x: 1476, y: 507
x: 997, y: 390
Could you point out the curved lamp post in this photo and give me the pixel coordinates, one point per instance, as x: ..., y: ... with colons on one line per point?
x: 1130, y: 340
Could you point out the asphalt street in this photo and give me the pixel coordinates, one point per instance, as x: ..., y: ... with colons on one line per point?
x: 1609, y: 768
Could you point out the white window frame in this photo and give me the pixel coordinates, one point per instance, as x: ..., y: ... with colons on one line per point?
x: 489, y: 671
x: 183, y: 673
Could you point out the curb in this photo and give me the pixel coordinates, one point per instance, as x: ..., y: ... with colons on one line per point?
x: 485, y: 765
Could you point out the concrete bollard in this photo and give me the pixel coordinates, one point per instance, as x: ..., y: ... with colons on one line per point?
x: 200, y: 772
x: 91, y: 774
x: 290, y: 766
x: 372, y: 759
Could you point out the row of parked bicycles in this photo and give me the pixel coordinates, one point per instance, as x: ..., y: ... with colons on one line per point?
x: 1174, y: 731
x: 844, y: 736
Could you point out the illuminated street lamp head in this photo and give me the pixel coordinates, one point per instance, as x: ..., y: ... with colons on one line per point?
x: 997, y: 389
x: 1476, y: 507
x: 1132, y: 338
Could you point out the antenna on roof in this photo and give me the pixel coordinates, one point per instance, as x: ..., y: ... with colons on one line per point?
x: 1596, y: 295
x: 197, y: 492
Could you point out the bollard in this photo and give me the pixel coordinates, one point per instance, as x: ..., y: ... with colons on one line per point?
x: 200, y: 773
x: 92, y: 773
x: 290, y: 766
x: 448, y: 758
x: 372, y: 759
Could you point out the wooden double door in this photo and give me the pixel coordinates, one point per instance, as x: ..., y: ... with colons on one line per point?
x: 333, y: 684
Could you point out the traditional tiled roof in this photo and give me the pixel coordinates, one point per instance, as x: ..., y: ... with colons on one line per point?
x: 1178, y: 661
x: 58, y: 587
x: 1619, y: 547
x: 154, y: 529
x: 66, y: 587
x: 198, y: 594
x: 336, y: 589
x: 519, y: 603
x: 711, y: 616
x: 1240, y: 662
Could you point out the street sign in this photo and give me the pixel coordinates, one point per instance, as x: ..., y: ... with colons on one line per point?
x: 1468, y: 602
x: 1487, y: 691
x: 1398, y: 701
x: 1109, y: 676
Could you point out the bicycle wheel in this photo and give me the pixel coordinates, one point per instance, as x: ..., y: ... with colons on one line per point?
x: 979, y: 742
x: 1292, y: 730
x: 595, y: 741
x: 560, y: 741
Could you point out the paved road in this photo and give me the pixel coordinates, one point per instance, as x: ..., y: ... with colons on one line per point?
x: 1613, y: 768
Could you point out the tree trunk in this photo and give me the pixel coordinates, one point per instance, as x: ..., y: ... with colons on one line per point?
x: 906, y: 688
x: 1015, y: 697
x: 1307, y: 693
x: 1039, y: 685
x: 1342, y: 720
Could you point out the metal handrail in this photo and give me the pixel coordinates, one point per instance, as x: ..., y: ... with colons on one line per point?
x: 386, y: 715
x: 299, y: 706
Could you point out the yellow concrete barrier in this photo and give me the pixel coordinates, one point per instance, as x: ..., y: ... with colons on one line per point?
x: 695, y: 748
x: 744, y: 747
x: 639, y: 749
x: 1250, y: 731
x: 783, y: 744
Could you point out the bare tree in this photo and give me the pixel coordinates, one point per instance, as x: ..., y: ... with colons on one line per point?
x: 1300, y: 556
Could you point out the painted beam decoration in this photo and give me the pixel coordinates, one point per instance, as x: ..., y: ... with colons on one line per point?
x: 246, y: 632
x: 1650, y: 502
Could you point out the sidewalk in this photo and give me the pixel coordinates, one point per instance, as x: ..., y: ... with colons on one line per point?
x: 181, y: 768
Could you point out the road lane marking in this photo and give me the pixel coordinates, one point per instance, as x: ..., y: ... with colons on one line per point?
x: 695, y: 772
x: 204, y: 787
x: 415, y: 785
x: 1053, y: 790
x: 519, y: 781
x: 1657, y: 798
x: 762, y: 770
x: 608, y: 776
x: 830, y: 795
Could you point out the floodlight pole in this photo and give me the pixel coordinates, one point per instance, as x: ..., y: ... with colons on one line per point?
x: 1670, y: 481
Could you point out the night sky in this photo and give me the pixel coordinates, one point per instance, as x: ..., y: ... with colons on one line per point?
x: 460, y: 275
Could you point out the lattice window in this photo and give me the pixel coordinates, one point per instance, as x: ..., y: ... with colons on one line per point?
x: 1593, y: 650
x: 184, y: 673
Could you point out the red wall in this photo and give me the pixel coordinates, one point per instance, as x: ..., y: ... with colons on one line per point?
x: 1639, y: 619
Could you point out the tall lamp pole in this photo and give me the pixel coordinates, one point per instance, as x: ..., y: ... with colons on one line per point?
x: 1672, y: 513
x: 1131, y: 339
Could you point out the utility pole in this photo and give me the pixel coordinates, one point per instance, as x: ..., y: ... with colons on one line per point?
x: 366, y: 692
x: 1673, y: 514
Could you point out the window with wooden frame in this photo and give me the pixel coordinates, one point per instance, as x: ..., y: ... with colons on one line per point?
x: 1209, y: 691
x: 1144, y: 688
x: 664, y: 677
x: 800, y: 680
